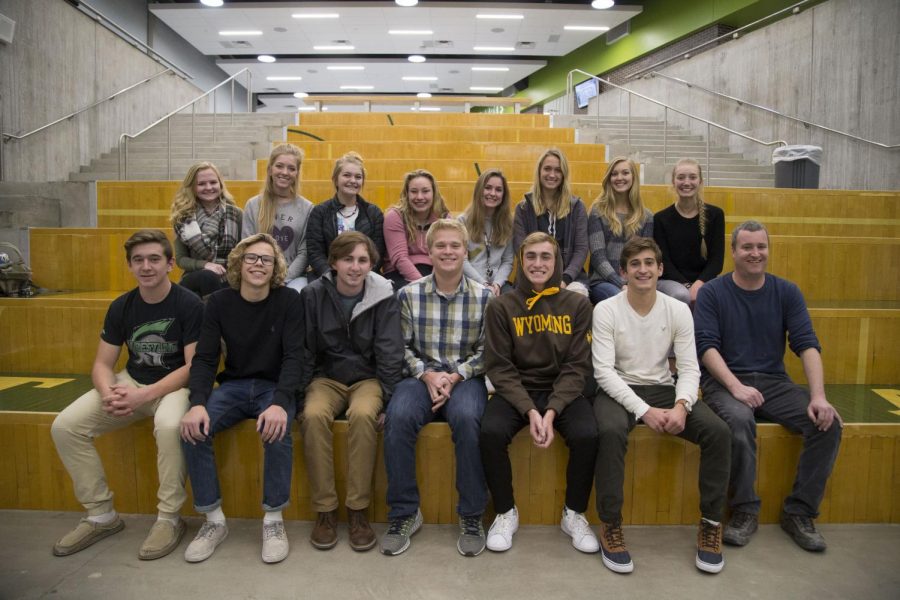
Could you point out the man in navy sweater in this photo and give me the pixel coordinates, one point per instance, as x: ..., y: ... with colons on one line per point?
x: 261, y: 323
x: 740, y: 321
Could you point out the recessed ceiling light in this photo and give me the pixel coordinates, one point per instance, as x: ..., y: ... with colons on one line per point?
x: 498, y: 69
x: 346, y: 68
x: 357, y: 87
x: 430, y: 108
x: 300, y: 95
x: 284, y: 78
x: 585, y: 28
x: 497, y: 16
x: 343, y: 47
x: 493, y: 48
x: 410, y: 32
x: 416, y: 58
x: 241, y: 32
x: 265, y: 58
x: 406, y: 2
x: 315, y: 15
x: 423, y: 95
x: 306, y: 108
x: 416, y: 78
x: 482, y: 88
x: 603, y: 4
x: 212, y: 3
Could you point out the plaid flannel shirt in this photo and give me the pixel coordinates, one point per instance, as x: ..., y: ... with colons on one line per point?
x: 443, y: 332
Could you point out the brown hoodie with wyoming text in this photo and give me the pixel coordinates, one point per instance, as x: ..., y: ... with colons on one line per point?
x: 538, y: 342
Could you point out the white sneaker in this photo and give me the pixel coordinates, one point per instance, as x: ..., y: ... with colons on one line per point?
x: 211, y: 534
x: 275, y: 546
x: 499, y: 537
x: 575, y: 525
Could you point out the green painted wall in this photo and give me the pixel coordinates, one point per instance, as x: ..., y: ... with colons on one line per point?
x: 661, y: 22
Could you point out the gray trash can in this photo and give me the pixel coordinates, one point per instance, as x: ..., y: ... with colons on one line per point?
x: 797, y: 166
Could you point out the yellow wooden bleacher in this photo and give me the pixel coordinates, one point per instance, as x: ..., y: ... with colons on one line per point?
x: 841, y: 247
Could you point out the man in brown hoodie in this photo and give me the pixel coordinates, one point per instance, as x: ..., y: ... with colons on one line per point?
x: 538, y: 358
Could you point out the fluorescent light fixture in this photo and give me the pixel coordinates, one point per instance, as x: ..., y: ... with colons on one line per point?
x: 430, y: 108
x: 603, y: 4
x: 493, y: 48
x: 306, y: 108
x: 483, y: 88
x: 416, y: 58
x: 497, y: 69
x: 509, y: 17
x: 346, y: 68
x: 416, y: 78
x: 423, y: 95
x: 357, y: 87
x: 410, y: 32
x: 585, y: 28
x: 212, y: 3
x: 315, y: 15
x: 241, y: 32
x: 265, y: 58
x: 344, y: 47
x: 284, y: 78
x: 324, y: 108
x: 406, y: 2
x: 300, y: 94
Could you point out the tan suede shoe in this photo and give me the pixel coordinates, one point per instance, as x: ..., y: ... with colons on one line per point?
x: 86, y: 534
x: 164, y: 537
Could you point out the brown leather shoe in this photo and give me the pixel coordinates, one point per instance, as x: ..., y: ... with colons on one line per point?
x: 362, y: 537
x: 324, y: 534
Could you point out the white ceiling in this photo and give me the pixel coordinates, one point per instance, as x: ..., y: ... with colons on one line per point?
x: 455, y: 26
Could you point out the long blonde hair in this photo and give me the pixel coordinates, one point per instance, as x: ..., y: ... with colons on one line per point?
x: 438, y: 208
x: 701, y: 206
x: 501, y: 221
x: 185, y: 204
x: 564, y: 192
x: 265, y: 216
x: 605, y: 204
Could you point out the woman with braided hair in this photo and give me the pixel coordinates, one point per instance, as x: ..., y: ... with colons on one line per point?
x: 691, y: 235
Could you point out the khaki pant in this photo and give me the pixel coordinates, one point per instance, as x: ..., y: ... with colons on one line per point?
x: 326, y: 399
x: 76, y: 427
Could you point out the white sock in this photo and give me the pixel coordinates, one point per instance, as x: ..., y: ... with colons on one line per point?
x: 711, y: 522
x: 273, y: 516
x: 104, y: 519
x: 216, y: 516
x: 170, y: 517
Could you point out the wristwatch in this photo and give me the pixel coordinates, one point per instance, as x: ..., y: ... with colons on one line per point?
x: 685, y: 404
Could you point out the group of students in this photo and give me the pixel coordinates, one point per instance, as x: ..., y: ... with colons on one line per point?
x: 426, y: 340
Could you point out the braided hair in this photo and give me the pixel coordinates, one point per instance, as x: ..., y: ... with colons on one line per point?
x: 701, y: 206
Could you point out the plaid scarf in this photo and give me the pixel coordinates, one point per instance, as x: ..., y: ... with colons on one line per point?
x: 219, y: 233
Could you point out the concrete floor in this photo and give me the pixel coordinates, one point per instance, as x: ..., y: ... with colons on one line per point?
x: 860, y: 564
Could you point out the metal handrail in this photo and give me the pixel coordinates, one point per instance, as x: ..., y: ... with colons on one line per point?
x: 99, y: 16
x: 667, y: 108
x: 9, y: 136
x: 803, y: 122
x: 123, y: 139
x: 794, y: 8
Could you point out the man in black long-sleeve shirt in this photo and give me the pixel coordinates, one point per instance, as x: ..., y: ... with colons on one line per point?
x: 260, y: 321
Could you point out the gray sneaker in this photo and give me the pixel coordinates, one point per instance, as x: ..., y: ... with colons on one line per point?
x: 396, y: 540
x: 471, y: 536
x: 275, y: 543
x: 739, y: 528
x: 211, y: 534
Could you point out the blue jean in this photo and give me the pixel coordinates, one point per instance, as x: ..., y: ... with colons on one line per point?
x: 785, y: 404
x: 408, y: 411
x: 601, y: 290
x: 230, y: 403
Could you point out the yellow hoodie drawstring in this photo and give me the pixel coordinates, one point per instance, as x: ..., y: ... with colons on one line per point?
x: 530, y: 302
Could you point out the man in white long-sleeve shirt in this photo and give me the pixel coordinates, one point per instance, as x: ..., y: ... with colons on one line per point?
x: 632, y: 335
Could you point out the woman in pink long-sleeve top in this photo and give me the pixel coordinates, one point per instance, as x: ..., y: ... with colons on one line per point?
x: 405, y: 225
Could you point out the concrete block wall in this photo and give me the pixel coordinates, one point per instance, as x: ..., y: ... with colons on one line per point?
x: 61, y: 60
x: 835, y: 65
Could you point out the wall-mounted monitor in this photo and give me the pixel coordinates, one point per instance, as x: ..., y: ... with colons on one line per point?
x: 586, y: 90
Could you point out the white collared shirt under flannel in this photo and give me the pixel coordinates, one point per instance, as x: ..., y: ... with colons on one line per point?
x: 443, y: 332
